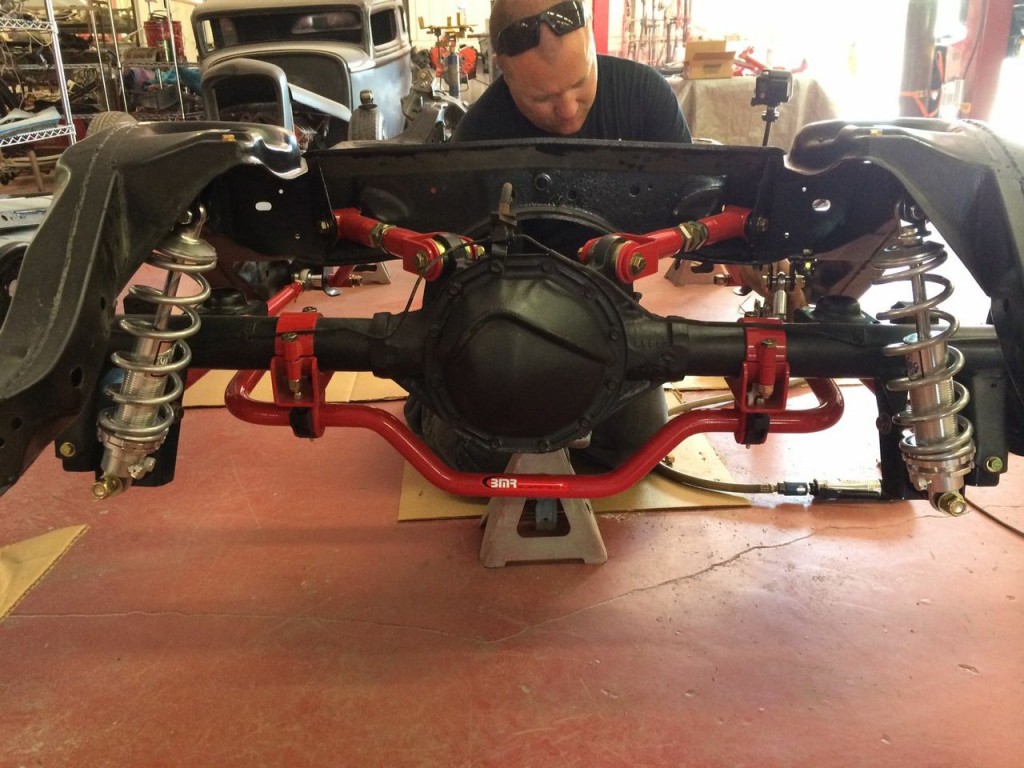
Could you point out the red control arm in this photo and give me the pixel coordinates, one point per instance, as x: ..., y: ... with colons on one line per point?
x: 636, y: 256
x: 420, y: 253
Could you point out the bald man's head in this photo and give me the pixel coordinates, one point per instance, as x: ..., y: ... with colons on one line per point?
x: 553, y: 83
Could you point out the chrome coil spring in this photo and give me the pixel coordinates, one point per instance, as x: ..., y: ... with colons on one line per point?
x: 938, y: 445
x: 143, y: 410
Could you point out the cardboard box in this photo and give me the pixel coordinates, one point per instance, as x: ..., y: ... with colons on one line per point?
x: 706, y: 59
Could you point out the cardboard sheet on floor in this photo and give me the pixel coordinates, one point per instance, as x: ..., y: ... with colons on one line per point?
x: 697, y: 383
x: 344, y: 387
x: 25, y: 563
x: 422, y: 501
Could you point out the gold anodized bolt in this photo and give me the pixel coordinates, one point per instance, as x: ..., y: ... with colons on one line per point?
x: 67, y: 449
x: 952, y: 503
x: 107, y: 486
x: 994, y: 464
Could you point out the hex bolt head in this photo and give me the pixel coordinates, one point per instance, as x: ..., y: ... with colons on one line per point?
x: 952, y: 503
x: 67, y: 449
x: 994, y: 464
x: 107, y: 486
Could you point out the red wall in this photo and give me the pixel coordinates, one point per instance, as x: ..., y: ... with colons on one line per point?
x: 601, y: 25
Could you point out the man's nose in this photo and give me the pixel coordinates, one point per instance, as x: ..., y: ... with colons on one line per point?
x: 566, y: 107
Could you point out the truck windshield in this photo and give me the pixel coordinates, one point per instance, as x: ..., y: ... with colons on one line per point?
x: 339, y: 25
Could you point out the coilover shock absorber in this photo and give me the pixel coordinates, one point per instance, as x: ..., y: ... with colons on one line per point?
x: 937, y: 445
x: 144, y: 409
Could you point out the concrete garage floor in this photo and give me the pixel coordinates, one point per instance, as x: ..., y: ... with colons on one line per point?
x: 268, y: 609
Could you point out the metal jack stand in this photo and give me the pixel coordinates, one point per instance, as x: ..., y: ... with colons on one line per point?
x: 573, y: 535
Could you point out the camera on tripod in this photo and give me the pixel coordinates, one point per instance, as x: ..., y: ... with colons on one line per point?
x: 772, y: 87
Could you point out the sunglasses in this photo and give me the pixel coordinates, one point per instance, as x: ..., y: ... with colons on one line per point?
x: 524, y: 34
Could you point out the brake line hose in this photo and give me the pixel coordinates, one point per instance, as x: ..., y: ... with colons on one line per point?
x: 864, y: 491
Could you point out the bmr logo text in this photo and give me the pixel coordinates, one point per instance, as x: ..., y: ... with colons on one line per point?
x: 501, y: 482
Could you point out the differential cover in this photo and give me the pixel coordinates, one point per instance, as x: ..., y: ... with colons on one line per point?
x: 527, y: 353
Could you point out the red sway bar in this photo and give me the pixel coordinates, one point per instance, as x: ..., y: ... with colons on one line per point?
x: 533, y: 486
x: 299, y: 388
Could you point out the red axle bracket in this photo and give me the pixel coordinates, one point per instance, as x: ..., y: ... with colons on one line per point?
x: 295, y: 373
x: 762, y: 388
